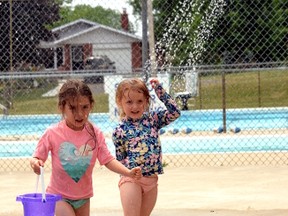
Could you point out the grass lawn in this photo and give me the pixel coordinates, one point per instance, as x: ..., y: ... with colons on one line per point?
x: 240, y: 90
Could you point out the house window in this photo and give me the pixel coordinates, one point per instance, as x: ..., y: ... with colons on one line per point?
x: 59, y: 56
x: 77, y: 54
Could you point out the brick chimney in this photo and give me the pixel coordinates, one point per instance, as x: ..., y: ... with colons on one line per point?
x: 124, y: 20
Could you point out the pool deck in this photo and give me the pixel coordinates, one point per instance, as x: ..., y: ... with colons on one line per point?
x: 201, y: 191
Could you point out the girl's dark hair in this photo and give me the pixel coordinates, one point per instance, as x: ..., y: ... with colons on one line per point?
x: 71, y: 89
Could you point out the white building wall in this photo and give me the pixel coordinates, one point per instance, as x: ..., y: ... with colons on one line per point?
x: 121, y: 57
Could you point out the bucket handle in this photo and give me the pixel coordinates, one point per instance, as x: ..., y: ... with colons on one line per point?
x: 42, y: 183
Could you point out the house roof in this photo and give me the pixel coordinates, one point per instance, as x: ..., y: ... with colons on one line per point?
x: 81, y: 27
x: 74, y: 27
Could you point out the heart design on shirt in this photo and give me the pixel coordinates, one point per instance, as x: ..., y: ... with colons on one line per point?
x: 74, y: 162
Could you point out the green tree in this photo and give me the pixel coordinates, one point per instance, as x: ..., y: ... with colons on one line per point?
x: 241, y: 31
x: 97, y: 14
x: 23, y: 26
x: 251, y: 31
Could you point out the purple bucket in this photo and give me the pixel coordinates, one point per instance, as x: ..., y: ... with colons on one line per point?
x: 34, y: 206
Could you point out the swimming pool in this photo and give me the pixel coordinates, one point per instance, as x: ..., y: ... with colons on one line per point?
x: 246, y: 119
x: 179, y: 145
x: 207, y: 120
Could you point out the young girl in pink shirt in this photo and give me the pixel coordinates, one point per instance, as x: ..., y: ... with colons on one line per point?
x: 75, y: 144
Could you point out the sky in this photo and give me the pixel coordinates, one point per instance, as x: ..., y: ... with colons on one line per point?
x: 117, y: 5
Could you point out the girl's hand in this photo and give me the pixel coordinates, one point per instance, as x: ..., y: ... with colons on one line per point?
x: 136, y: 173
x: 154, y: 83
x: 35, y: 164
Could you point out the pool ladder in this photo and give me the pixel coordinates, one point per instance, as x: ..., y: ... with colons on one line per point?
x: 184, y: 97
x: 4, y: 109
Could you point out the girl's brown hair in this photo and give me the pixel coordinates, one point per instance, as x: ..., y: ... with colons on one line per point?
x: 128, y: 85
x: 71, y: 89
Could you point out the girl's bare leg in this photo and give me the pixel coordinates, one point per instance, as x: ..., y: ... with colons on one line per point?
x: 148, y: 201
x: 131, y: 198
x: 83, y: 210
x: 64, y: 209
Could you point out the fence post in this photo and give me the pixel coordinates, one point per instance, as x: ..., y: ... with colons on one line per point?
x: 259, y: 89
x: 224, y: 102
x: 144, y: 40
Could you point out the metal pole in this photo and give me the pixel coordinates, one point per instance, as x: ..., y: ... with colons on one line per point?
x: 144, y: 40
x: 259, y: 89
x: 224, y: 102
x: 11, y: 36
x: 8, y: 90
x: 151, y: 37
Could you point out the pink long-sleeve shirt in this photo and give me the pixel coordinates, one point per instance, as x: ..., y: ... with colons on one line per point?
x: 73, y: 154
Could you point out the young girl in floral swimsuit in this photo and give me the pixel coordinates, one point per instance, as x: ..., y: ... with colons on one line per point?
x: 137, y: 143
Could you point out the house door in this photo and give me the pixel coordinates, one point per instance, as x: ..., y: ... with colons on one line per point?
x: 77, y: 58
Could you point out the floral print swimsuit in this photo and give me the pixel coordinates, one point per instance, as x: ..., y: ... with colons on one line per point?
x: 137, y: 142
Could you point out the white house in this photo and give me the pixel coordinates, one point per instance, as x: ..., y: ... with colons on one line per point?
x: 82, y: 38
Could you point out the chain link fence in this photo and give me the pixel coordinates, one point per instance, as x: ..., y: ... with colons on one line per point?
x: 225, y: 63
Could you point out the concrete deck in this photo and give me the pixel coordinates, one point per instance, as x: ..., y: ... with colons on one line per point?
x: 201, y: 191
